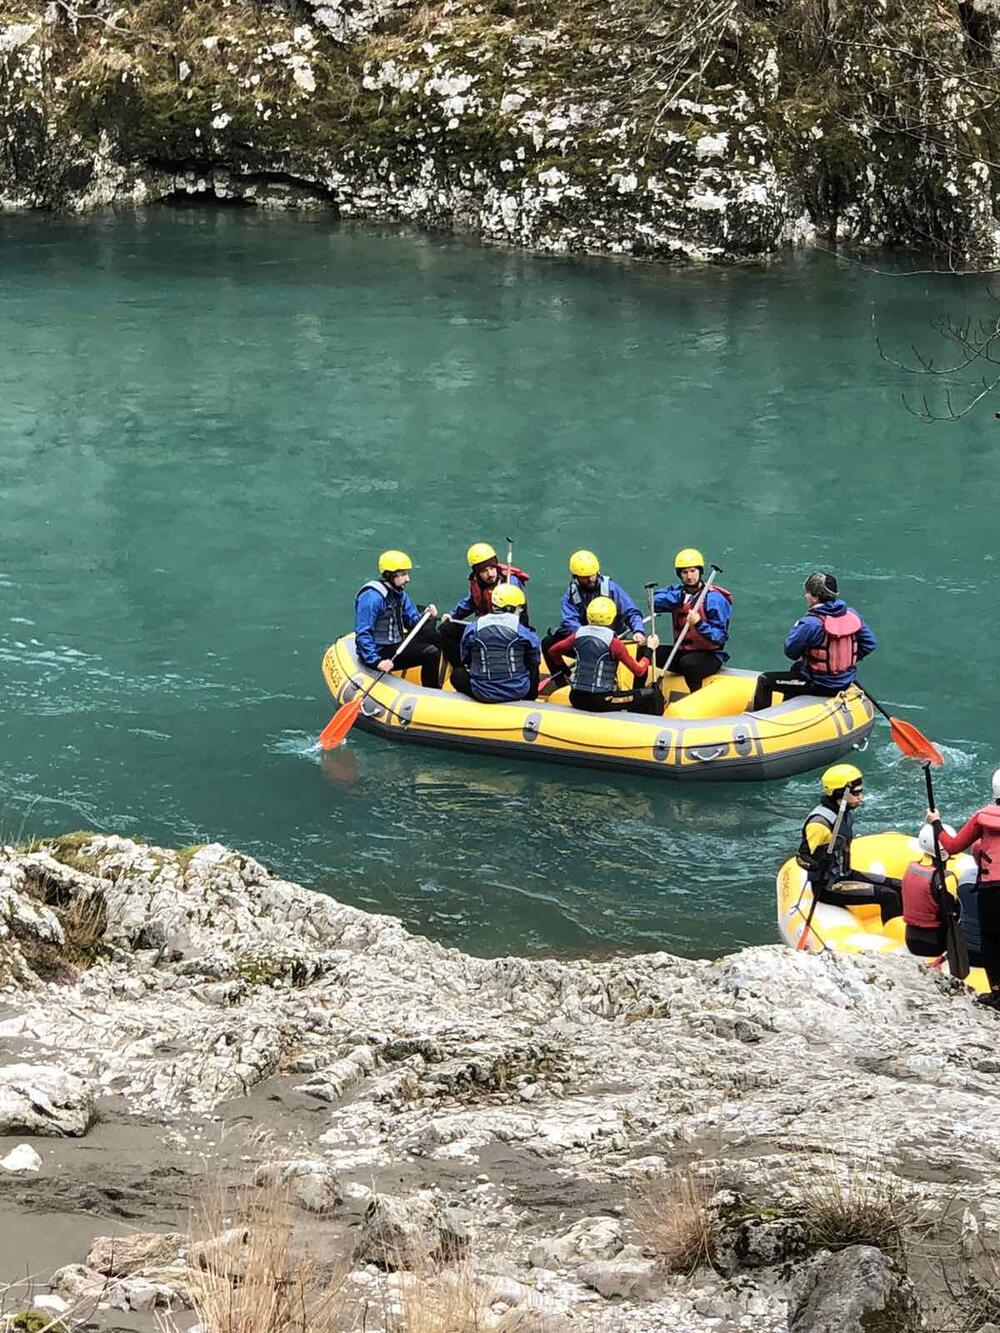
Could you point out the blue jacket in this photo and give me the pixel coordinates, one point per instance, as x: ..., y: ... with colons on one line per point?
x: 467, y: 607
x: 809, y: 631
x: 715, y: 615
x: 368, y: 608
x: 574, y: 609
x: 502, y: 656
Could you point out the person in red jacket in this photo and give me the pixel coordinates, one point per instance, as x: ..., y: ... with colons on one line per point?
x: 599, y: 652
x: 984, y: 827
x: 925, y: 922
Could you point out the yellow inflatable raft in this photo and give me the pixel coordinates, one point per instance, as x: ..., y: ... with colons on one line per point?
x: 860, y: 929
x: 705, y: 736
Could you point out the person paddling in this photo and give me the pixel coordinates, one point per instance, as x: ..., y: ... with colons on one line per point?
x: 599, y: 652
x: 383, y: 612
x: 486, y: 573
x: 826, y: 645
x: 831, y: 877
x: 702, y: 652
x: 981, y: 833
x: 926, y: 929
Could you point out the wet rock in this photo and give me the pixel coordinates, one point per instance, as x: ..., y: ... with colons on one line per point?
x: 856, y: 1290
x: 410, y: 1233
x: 44, y: 1100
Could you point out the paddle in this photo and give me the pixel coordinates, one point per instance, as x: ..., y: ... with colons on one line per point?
x: 510, y: 558
x: 912, y: 742
x: 697, y: 607
x: 955, y: 950
x: 833, y: 846
x: 344, y: 718
x: 651, y: 594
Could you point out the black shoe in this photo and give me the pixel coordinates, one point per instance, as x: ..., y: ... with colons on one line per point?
x: 990, y: 998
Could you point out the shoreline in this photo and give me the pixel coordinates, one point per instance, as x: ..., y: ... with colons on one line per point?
x: 227, y: 1022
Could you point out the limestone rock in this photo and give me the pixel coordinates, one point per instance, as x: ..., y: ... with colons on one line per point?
x: 44, y: 1100
x: 628, y: 1274
x: 21, y: 1158
x: 853, y: 1291
x: 138, y: 1252
x: 592, y: 1238
x: 409, y: 1233
x: 314, y: 1186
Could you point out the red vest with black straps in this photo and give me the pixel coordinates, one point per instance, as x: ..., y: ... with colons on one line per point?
x: 988, y: 852
x: 919, y: 905
x: 694, y: 640
x: 482, y: 598
x: 838, y: 650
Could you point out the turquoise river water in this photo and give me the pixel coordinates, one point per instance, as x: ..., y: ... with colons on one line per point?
x: 210, y: 423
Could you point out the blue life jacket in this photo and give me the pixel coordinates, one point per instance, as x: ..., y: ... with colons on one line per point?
x: 499, y: 652
x: 388, y: 628
x: 596, y: 670
x: 968, y: 899
x: 602, y: 588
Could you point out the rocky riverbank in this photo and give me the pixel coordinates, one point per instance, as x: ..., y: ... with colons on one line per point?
x: 770, y: 1141
x: 708, y: 129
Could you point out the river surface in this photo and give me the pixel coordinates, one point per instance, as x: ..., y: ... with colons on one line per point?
x: 212, y: 421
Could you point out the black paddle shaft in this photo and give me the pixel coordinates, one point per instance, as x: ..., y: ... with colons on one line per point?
x: 958, y: 954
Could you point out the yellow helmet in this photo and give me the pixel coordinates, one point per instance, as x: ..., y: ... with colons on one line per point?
x: 507, y: 597
x: 478, y: 553
x: 689, y: 558
x: 602, y: 611
x: 389, y: 562
x: 838, y: 777
x: 584, y: 563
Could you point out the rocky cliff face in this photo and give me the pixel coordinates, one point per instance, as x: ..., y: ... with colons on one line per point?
x: 699, y: 128
x: 827, y: 1119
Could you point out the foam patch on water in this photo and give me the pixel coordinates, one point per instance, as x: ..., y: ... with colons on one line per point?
x: 298, y: 744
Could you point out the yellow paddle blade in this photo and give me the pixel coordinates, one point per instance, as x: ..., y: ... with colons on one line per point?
x: 335, y: 731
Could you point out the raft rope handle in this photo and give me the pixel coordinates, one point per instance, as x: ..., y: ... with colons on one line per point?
x: 586, y: 745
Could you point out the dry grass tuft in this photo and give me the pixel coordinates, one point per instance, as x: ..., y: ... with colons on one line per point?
x: 454, y: 1300
x: 856, y: 1204
x: 674, y: 1220
x: 247, y: 1275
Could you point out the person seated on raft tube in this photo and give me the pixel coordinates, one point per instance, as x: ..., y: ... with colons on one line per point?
x: 826, y: 645
x: 703, y: 652
x: 925, y: 921
x: 485, y: 574
x: 598, y: 651
x: 829, y: 868
x: 982, y: 833
x: 587, y: 583
x: 383, y: 613
x: 500, y: 656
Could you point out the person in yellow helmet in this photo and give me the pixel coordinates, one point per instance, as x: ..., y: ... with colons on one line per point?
x: 485, y: 574
x: 705, y: 628
x: 383, y: 612
x: 828, y: 864
x: 588, y: 582
x: 598, y: 653
x: 500, y: 655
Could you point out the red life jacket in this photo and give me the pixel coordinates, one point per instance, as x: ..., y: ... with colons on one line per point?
x: 694, y: 640
x: 482, y: 598
x: 839, y: 650
x: 988, y: 854
x: 919, y: 905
